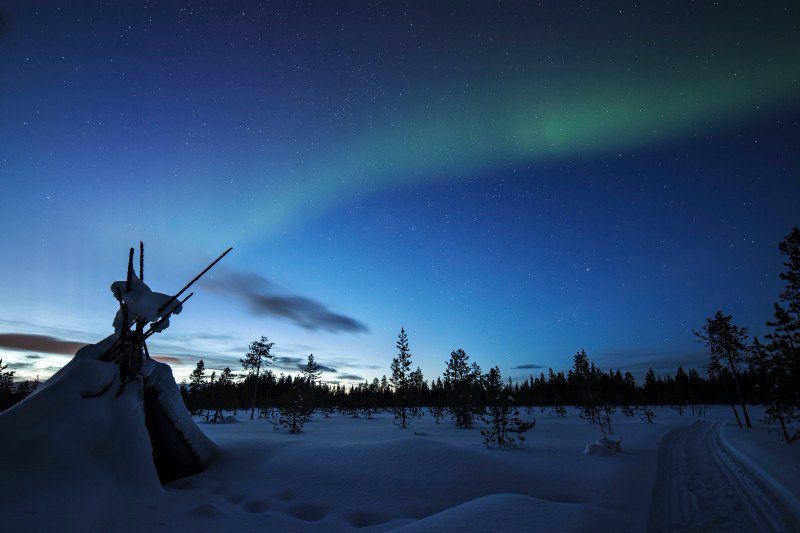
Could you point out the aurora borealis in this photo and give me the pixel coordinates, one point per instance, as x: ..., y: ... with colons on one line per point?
x: 514, y: 179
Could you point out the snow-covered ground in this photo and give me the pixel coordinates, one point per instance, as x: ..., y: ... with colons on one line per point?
x: 344, y: 473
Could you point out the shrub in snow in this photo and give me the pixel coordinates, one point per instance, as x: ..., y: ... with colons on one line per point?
x: 648, y: 414
x: 294, y: 412
x: 604, y: 419
x: 502, y: 417
x: 437, y: 412
x: 274, y: 417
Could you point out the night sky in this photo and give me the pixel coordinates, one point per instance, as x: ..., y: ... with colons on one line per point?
x: 518, y: 180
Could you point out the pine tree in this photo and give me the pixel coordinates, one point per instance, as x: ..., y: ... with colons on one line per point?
x: 502, y: 417
x: 417, y: 386
x: 400, y: 379
x: 221, y: 393
x: 790, y: 249
x: 197, y: 382
x: 726, y: 346
x: 773, y: 380
x: 779, y: 360
x: 371, y: 391
x: 462, y: 381
x: 311, y: 371
x: 585, y: 385
x: 257, y: 357
x: 210, y: 396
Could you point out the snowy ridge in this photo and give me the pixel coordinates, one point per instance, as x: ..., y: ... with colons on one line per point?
x: 514, y: 512
x: 788, y: 505
x: 700, y: 484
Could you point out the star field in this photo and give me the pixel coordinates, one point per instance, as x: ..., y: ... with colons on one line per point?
x: 517, y: 179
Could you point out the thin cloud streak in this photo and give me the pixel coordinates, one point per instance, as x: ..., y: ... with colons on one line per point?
x: 265, y: 298
x: 26, y: 342
x: 528, y: 366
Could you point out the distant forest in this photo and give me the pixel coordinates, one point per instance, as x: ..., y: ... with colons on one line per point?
x: 741, y: 370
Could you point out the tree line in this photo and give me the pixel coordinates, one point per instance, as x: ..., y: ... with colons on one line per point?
x: 11, y: 392
x: 740, y: 372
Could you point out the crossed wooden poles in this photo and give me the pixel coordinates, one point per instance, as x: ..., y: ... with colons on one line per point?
x: 130, y: 349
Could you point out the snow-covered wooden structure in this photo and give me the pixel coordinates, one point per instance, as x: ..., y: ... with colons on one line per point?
x: 113, y: 413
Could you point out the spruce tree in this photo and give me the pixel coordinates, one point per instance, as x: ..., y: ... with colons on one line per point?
x: 585, y: 386
x: 311, y: 371
x: 417, y: 386
x: 221, y: 394
x: 400, y: 379
x: 257, y: 357
x: 197, y: 381
x: 210, y: 397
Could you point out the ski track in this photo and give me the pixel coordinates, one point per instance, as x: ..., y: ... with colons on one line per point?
x: 701, y: 485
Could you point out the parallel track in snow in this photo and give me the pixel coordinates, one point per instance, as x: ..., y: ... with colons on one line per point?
x: 704, y: 484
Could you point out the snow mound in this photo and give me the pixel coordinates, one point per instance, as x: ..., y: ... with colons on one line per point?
x: 512, y: 512
x: 603, y: 447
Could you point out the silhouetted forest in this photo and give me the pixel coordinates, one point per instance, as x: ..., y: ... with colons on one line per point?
x: 12, y: 393
x: 740, y: 371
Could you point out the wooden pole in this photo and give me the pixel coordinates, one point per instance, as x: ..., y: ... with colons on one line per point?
x: 129, y: 279
x: 178, y: 294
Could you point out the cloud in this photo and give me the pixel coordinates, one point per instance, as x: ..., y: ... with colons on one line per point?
x: 297, y: 363
x: 635, y: 359
x: 350, y: 362
x: 168, y: 359
x: 350, y: 377
x: 528, y: 366
x: 265, y: 298
x: 25, y: 342
x: 20, y: 366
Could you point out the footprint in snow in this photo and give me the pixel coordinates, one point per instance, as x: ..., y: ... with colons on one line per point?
x: 256, y: 506
x: 308, y: 512
x: 206, y: 510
